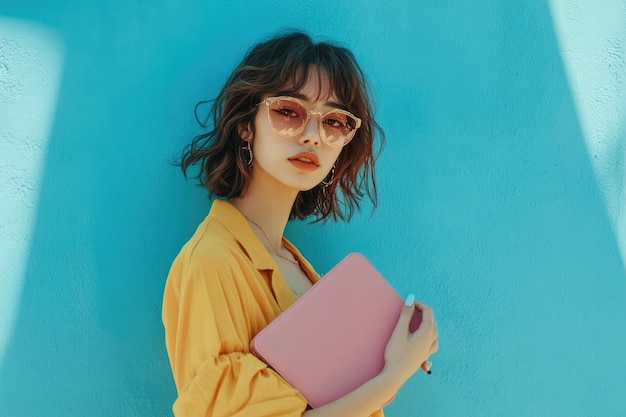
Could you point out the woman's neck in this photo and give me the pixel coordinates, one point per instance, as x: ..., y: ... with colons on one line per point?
x: 268, y: 212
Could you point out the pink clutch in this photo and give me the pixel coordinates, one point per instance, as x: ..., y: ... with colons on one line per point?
x: 333, y: 338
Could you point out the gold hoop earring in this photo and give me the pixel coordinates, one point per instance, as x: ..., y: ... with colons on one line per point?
x: 327, y: 182
x: 248, y: 148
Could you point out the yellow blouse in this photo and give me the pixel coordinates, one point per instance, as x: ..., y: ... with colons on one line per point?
x: 222, y: 289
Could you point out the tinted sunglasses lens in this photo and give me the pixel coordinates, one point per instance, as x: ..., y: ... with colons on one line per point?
x: 339, y: 128
x: 287, y: 117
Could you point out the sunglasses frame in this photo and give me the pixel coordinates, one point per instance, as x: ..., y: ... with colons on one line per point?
x: 269, y: 100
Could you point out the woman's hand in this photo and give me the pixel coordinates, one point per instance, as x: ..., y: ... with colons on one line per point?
x: 406, y: 352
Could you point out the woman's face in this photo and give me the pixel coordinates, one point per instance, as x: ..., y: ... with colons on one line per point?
x: 297, y: 162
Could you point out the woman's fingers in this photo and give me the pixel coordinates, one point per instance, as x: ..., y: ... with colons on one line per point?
x: 405, y: 315
x: 428, y: 328
x: 406, y: 351
x: 435, y: 347
x: 427, y: 313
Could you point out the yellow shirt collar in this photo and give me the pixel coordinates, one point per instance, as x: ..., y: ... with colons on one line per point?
x: 232, y: 219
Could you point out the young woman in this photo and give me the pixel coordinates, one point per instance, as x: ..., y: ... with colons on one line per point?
x: 292, y: 137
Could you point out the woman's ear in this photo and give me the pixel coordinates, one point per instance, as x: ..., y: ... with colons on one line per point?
x: 245, y: 133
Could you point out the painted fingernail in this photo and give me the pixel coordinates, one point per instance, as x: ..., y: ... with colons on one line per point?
x: 410, y: 300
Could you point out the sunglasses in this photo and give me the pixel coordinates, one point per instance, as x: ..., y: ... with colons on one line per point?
x: 288, y: 117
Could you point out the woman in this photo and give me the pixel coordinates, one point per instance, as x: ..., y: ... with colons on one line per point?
x: 292, y: 137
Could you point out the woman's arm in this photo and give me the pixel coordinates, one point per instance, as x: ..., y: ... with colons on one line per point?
x: 207, y: 318
x: 404, y: 355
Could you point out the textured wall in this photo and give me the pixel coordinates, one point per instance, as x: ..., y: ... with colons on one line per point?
x: 501, y: 187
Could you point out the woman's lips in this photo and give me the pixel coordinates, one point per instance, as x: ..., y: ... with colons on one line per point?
x: 307, y: 166
x: 305, y: 160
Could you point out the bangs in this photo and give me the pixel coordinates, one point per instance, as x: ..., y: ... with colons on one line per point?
x: 337, y: 74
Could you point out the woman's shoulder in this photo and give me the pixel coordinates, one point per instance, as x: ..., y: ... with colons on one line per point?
x: 211, y: 244
x: 217, y: 252
x: 212, y: 268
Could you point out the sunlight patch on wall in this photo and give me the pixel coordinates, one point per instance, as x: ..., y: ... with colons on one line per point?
x: 592, y: 41
x: 31, y: 60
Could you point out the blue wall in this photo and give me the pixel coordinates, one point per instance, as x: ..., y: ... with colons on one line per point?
x: 502, y: 193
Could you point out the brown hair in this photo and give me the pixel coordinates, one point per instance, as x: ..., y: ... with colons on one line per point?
x: 284, y: 62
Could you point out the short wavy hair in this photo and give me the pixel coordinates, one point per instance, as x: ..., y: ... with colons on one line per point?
x: 284, y: 63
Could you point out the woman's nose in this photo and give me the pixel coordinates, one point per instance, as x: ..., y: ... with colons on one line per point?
x: 311, y: 133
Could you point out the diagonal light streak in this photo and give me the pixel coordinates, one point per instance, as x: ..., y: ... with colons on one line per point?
x: 592, y: 42
x: 31, y: 60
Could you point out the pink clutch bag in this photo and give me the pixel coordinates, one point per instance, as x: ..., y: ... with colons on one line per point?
x: 333, y: 338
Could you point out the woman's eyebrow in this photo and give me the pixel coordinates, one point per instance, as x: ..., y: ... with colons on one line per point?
x: 301, y: 96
